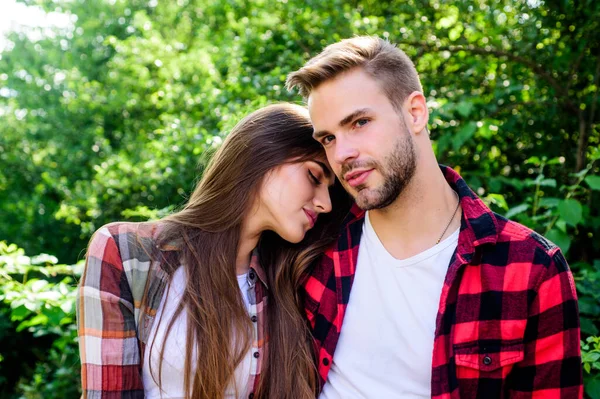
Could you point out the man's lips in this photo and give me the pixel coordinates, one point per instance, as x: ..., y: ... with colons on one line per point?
x: 312, y: 217
x: 357, y: 177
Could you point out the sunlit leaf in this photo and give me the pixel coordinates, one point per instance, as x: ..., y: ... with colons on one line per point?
x: 593, y: 182
x: 571, y: 211
x: 516, y: 210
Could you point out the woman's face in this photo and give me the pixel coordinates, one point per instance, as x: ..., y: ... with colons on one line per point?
x: 293, y: 195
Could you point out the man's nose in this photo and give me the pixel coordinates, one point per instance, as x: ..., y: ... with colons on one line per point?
x: 344, y: 151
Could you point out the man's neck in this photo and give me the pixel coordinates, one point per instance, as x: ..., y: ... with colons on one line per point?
x: 416, y: 220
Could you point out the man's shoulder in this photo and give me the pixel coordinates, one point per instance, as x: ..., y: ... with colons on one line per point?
x: 522, y: 244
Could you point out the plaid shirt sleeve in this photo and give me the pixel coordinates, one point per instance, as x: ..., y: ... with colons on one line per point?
x: 552, y: 365
x: 108, y: 344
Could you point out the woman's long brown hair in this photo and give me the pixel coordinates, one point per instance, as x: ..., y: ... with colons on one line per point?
x: 207, y: 231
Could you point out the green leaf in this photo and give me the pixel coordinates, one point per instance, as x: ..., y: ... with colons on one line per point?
x: 592, y: 388
x: 571, y: 211
x: 590, y: 357
x: 588, y: 306
x: 495, y: 185
x: 561, y: 225
x: 541, y: 181
x: 442, y: 144
x: 555, y: 161
x: 496, y: 199
x: 37, y: 285
x: 593, y: 181
x: 516, y: 210
x: 464, y: 134
x: 54, y: 316
x: 67, y: 306
x: 44, y: 259
x: 547, y: 183
x: 588, y: 327
x: 549, y: 202
x: 560, y: 238
x: 34, y: 321
x: 19, y: 313
x: 455, y: 32
x: 516, y: 183
x: 464, y: 108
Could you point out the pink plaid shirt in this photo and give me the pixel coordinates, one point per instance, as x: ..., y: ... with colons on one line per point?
x: 119, y: 293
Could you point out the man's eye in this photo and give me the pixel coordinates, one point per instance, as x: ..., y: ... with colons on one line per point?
x: 328, y: 139
x: 361, y: 122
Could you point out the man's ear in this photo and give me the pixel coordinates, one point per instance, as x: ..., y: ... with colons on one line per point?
x: 415, y: 106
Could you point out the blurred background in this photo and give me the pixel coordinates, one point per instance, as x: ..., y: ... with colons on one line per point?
x: 109, y: 109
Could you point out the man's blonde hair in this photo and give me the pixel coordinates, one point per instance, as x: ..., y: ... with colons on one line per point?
x: 381, y: 59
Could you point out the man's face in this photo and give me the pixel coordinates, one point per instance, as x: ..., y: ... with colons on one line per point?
x: 367, y: 142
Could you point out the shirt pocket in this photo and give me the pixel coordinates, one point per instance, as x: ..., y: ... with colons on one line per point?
x: 481, y: 359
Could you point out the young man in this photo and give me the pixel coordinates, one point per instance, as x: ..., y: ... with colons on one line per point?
x: 427, y: 293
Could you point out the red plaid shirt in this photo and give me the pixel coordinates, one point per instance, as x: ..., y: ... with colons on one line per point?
x: 507, y: 323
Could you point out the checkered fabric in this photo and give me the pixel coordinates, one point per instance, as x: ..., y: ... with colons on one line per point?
x: 118, y: 295
x: 507, y: 323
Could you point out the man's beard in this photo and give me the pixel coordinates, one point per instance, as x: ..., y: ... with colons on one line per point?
x: 397, y: 170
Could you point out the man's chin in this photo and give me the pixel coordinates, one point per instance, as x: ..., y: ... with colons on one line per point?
x: 372, y: 199
x: 366, y: 199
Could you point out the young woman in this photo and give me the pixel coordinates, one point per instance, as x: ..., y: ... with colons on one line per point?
x: 203, y: 303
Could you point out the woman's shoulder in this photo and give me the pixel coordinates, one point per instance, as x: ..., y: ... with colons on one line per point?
x: 124, y: 241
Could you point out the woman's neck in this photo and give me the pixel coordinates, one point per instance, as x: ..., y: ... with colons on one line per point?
x: 249, y: 236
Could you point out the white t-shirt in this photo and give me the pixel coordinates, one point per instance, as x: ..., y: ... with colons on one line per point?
x: 385, y: 347
x: 173, y: 365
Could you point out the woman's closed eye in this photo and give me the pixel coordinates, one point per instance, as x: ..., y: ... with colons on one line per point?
x: 314, y: 179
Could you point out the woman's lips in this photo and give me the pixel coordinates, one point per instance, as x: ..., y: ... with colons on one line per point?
x: 312, y: 217
x: 357, y: 178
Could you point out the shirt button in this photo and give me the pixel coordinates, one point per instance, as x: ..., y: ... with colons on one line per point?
x: 256, y: 355
x: 326, y: 362
x: 487, y: 360
x: 251, y: 396
x: 251, y: 275
x: 254, y: 319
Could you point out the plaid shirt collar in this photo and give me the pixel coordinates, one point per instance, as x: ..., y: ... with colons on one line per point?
x: 258, y: 269
x: 479, y: 225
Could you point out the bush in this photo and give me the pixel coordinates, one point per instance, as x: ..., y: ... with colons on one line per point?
x: 39, y: 355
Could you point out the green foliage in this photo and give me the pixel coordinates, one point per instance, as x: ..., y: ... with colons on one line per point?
x: 114, y: 118
x: 37, y: 295
x: 590, y: 356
